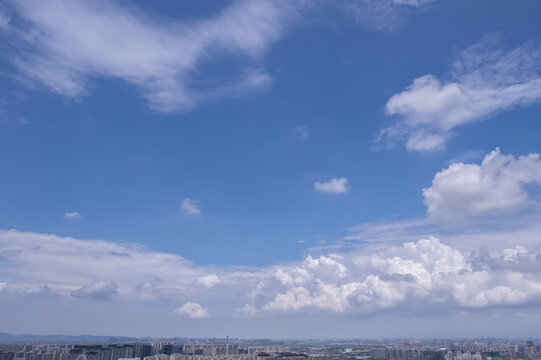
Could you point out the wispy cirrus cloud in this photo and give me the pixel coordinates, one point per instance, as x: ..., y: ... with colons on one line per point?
x: 4, y: 18
x: 65, y: 45
x: 485, y: 80
x: 380, y: 15
x: 68, y: 45
x: 302, y: 131
x: 190, y: 206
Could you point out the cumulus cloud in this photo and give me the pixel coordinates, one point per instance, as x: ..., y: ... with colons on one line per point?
x: 192, y: 310
x: 514, y: 254
x: 72, y: 215
x: 333, y: 186
x: 323, y: 267
x: 496, y: 186
x: 423, y: 272
x: 190, y: 207
x: 485, y: 80
x: 466, y: 271
x: 209, y: 281
x: 102, y: 290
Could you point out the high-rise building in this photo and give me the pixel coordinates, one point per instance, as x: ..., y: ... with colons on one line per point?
x: 142, y: 350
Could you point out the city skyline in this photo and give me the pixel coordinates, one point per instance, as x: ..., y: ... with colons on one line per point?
x: 449, y: 349
x: 271, y: 169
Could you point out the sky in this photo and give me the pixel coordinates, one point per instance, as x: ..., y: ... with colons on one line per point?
x: 284, y: 169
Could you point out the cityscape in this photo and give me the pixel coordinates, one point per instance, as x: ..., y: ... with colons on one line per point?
x: 235, y: 349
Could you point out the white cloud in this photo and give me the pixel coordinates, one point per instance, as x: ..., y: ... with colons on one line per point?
x: 460, y: 273
x: 387, y: 231
x: 379, y: 15
x: 333, y: 186
x: 497, y: 186
x: 4, y: 20
x: 326, y: 265
x: 192, y: 310
x: 27, y: 290
x: 102, y: 290
x: 12, y: 121
x: 159, y: 57
x: 485, y: 81
x: 72, y: 215
x: 322, y: 267
x: 302, y: 131
x: 515, y: 254
x: 65, y: 264
x: 209, y: 281
x: 190, y: 207
x: 425, y: 272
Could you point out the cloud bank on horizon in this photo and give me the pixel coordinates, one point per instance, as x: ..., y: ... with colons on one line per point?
x: 359, y: 281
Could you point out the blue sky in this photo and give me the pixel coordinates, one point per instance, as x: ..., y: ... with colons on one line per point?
x: 207, y: 168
